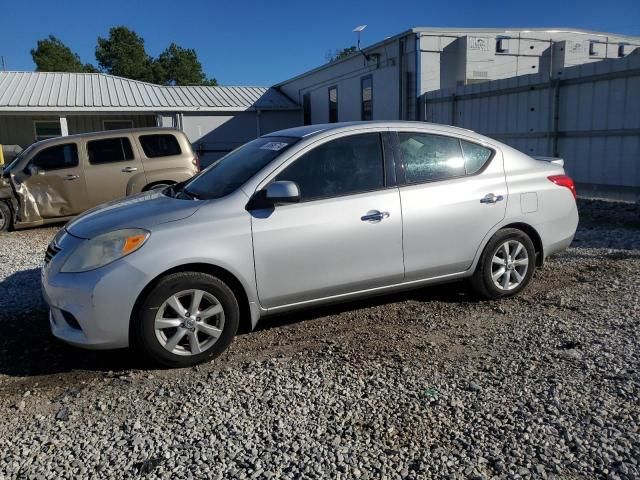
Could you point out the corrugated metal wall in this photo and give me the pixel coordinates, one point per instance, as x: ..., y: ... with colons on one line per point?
x: 94, y: 123
x: 590, y: 117
x: 19, y: 129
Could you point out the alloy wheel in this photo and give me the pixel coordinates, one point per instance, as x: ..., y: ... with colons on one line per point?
x: 509, y: 265
x: 189, y: 322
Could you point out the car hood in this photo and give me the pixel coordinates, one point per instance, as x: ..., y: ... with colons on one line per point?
x: 139, y: 211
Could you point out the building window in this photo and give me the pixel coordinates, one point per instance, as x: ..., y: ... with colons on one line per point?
x: 594, y: 48
x: 502, y: 45
x: 333, y: 104
x: 116, y: 124
x: 366, y: 87
x: 47, y: 129
x: 306, y: 108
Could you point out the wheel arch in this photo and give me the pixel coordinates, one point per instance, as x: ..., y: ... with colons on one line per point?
x: 533, y: 234
x: 223, y: 274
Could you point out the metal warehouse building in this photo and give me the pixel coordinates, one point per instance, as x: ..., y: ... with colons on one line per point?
x: 37, y: 105
x: 389, y: 78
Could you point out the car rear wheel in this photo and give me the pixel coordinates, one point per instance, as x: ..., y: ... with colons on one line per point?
x: 5, y: 217
x: 188, y: 318
x: 506, y: 265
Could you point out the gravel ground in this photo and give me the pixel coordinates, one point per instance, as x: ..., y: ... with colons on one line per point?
x: 428, y: 384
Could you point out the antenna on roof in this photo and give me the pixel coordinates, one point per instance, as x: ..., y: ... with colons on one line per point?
x: 367, y: 57
x: 359, y: 30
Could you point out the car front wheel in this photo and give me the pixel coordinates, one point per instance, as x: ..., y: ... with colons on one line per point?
x: 5, y: 217
x: 187, y: 318
x: 506, y: 265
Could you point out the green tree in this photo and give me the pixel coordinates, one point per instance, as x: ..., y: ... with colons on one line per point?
x: 180, y: 66
x: 123, y: 54
x: 51, y: 55
x: 340, y: 54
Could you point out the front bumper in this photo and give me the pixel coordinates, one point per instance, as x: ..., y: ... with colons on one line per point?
x: 92, y: 309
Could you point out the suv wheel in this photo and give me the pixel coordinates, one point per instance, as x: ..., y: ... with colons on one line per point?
x: 188, y: 318
x: 506, y: 265
x: 5, y: 217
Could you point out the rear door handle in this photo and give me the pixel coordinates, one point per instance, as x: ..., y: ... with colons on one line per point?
x: 374, y: 216
x: 129, y: 169
x: 491, y: 198
x: 72, y: 177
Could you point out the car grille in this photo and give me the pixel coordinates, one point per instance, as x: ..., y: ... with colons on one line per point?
x: 52, y: 251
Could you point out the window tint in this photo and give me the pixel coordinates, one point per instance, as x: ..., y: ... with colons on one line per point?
x: 430, y: 157
x: 60, y: 156
x: 109, y: 150
x: 234, y: 169
x: 160, y: 145
x: 340, y: 167
x: 475, y: 156
x: 333, y: 104
x: 366, y: 87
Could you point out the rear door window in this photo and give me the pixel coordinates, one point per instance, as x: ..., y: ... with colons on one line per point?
x: 430, y: 157
x: 57, y: 157
x: 160, y: 145
x: 109, y: 150
x: 344, y: 166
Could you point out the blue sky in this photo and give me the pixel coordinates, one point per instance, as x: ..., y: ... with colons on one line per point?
x: 263, y: 42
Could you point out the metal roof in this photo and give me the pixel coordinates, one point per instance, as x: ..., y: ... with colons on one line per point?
x: 52, y: 91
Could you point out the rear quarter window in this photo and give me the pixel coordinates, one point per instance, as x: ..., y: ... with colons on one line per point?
x: 160, y: 145
x: 475, y: 156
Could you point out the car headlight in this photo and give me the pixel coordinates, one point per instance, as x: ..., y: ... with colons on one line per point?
x: 104, y: 249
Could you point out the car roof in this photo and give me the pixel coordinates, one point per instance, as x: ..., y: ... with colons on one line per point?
x: 105, y: 134
x: 311, y: 130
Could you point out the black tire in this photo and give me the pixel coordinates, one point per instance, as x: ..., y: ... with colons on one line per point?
x: 143, y: 331
x: 6, y: 217
x: 482, y: 280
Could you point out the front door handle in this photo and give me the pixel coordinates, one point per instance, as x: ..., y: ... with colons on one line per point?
x: 374, y: 216
x: 491, y: 198
x: 129, y: 169
x: 72, y: 177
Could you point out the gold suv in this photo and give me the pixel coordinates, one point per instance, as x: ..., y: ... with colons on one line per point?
x: 55, y: 179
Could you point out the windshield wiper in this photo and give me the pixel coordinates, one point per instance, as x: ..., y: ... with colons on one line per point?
x: 188, y: 193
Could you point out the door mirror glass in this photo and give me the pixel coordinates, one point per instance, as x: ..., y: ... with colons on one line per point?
x: 34, y: 170
x: 283, y: 192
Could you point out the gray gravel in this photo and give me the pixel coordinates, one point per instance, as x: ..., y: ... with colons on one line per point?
x: 427, y: 384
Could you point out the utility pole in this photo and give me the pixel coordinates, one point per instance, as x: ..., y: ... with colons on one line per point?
x: 3, y: 65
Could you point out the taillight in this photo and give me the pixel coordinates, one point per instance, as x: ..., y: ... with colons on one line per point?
x: 564, y: 181
x: 196, y: 161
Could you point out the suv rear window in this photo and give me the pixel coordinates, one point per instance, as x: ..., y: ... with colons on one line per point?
x: 109, y: 150
x: 160, y: 145
x: 57, y: 157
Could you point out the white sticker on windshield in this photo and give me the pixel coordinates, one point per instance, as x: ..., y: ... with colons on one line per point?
x: 275, y: 146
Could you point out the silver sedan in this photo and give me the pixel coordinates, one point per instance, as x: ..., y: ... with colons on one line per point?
x: 302, y: 217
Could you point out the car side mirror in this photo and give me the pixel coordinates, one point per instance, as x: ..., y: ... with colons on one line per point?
x: 33, y: 170
x: 283, y: 191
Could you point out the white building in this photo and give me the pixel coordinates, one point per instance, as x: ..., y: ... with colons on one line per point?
x: 388, y: 78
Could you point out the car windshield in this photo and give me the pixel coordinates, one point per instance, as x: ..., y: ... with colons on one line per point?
x: 234, y: 169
